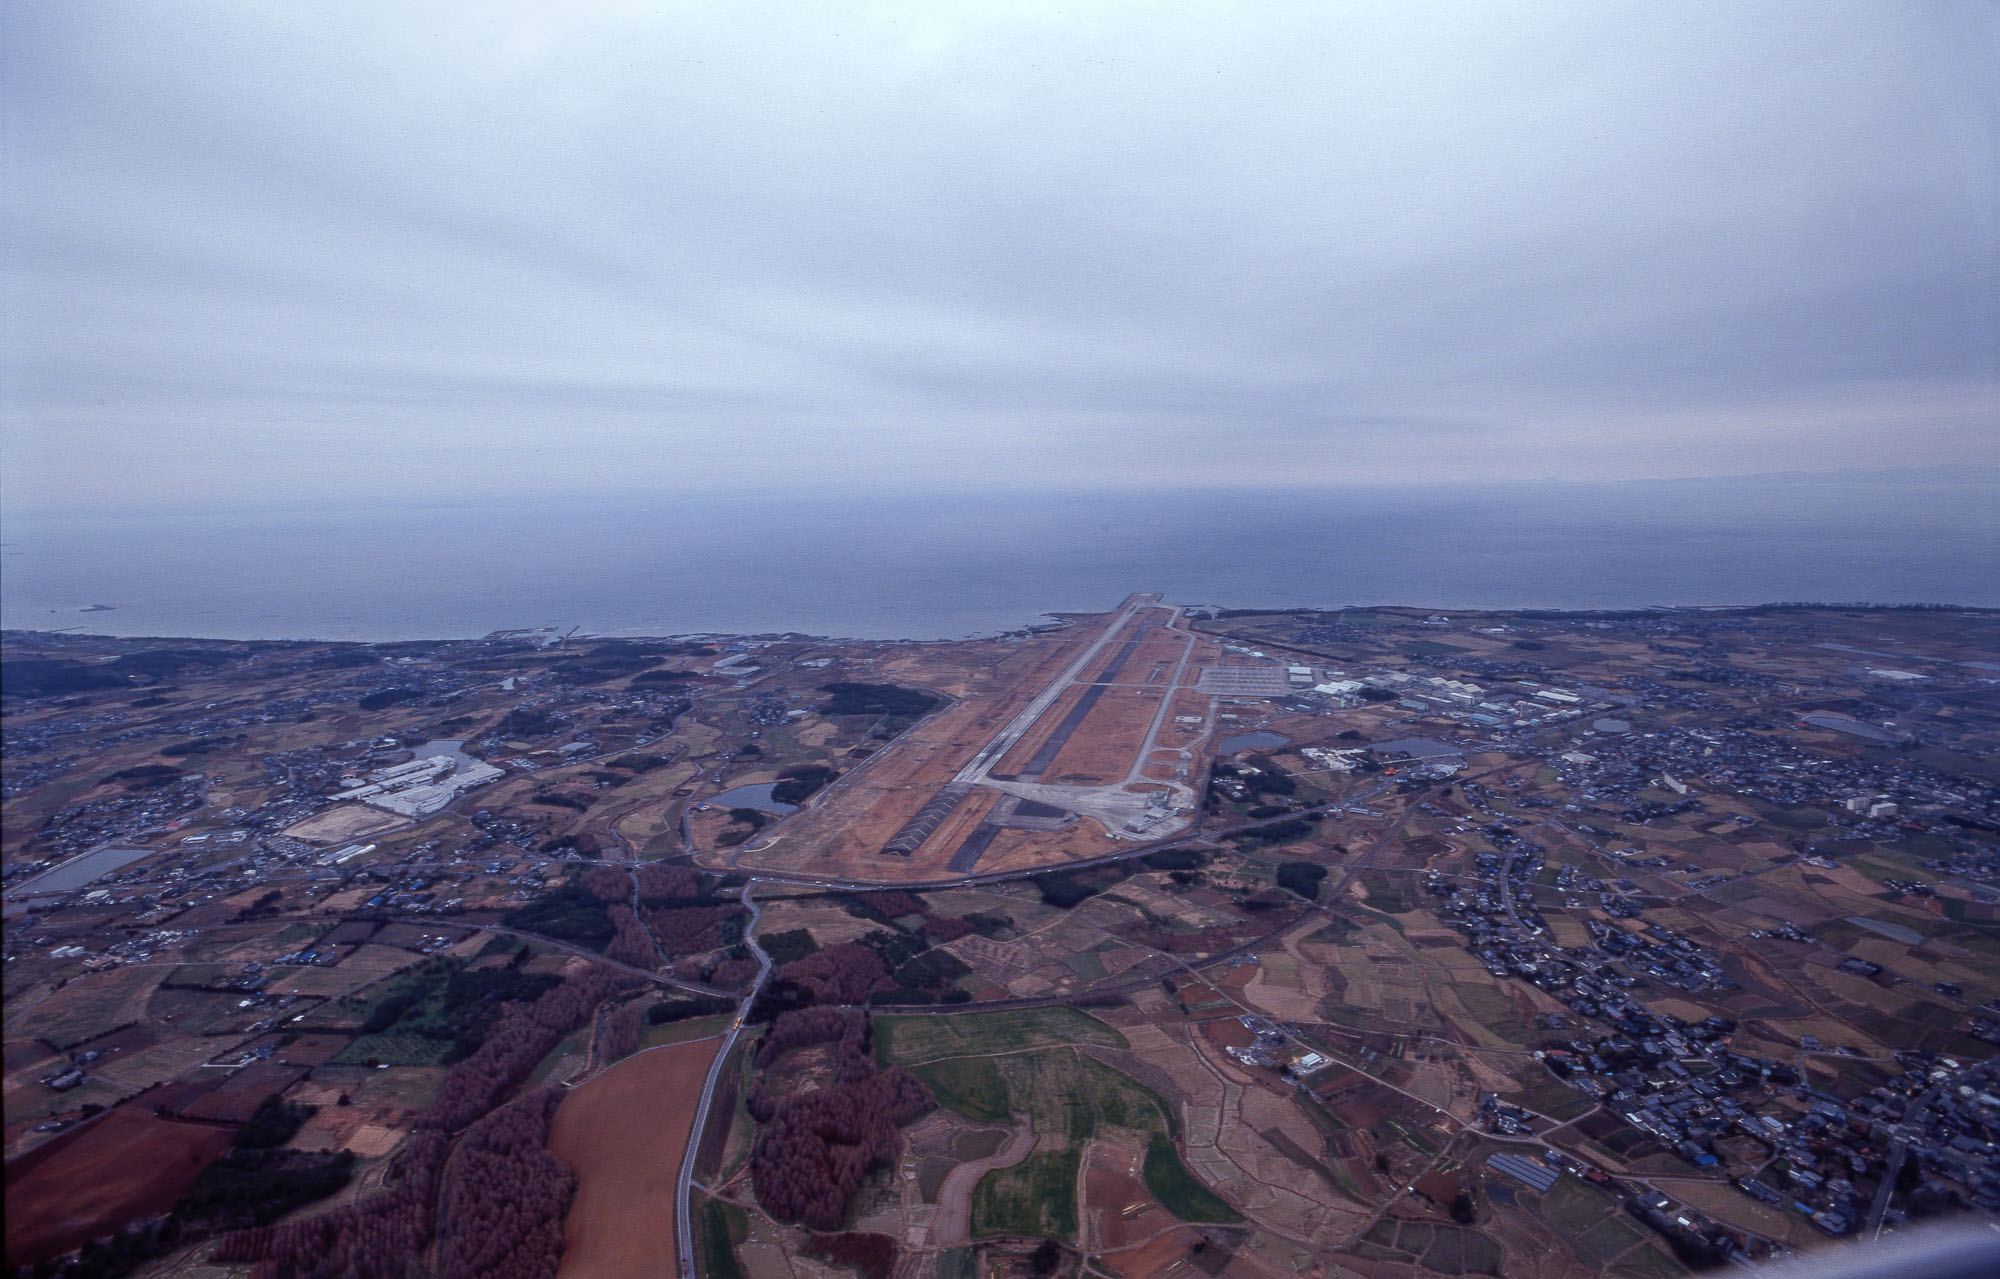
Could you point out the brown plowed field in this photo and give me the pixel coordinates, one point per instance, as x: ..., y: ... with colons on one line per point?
x: 125, y: 1166
x: 1116, y: 1197
x: 623, y: 1134
x: 238, y: 1099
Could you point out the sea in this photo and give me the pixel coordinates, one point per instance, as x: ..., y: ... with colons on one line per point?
x: 870, y: 564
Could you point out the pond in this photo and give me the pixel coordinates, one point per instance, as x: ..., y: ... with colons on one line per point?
x: 1262, y: 740
x: 78, y: 871
x: 757, y: 797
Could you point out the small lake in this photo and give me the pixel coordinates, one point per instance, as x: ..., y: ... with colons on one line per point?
x: 78, y: 871
x: 1257, y: 741
x: 757, y: 797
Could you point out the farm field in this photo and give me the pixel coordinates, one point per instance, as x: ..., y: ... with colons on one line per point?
x: 623, y: 1134
x: 1464, y: 885
x: 124, y: 1165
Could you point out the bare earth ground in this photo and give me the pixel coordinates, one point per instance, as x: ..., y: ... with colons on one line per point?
x: 843, y: 830
x: 125, y: 1164
x: 624, y: 1133
x: 953, y: 1223
x: 349, y: 821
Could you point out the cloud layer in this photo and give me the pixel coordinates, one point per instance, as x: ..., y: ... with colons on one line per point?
x: 329, y: 250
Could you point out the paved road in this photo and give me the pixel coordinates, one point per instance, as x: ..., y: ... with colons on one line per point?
x: 683, y: 1208
x: 1084, y: 863
x: 1899, y: 1147
x: 1003, y: 741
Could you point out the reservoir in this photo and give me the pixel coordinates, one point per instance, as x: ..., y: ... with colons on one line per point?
x: 1259, y: 741
x: 78, y: 871
x: 757, y: 797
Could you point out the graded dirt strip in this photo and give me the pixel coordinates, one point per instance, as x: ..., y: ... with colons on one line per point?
x: 953, y: 1224
x: 623, y: 1134
x: 982, y: 763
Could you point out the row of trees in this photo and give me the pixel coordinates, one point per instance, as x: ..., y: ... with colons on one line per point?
x: 501, y: 1213
x: 621, y: 1032
x: 630, y: 943
x: 388, y: 1236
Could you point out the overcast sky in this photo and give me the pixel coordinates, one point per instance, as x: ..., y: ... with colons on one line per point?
x: 262, y: 250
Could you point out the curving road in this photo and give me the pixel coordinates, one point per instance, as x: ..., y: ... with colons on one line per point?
x: 683, y: 1207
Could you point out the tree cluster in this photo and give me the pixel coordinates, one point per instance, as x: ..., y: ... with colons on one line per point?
x: 731, y: 973
x: 870, y: 1256
x: 387, y: 697
x: 630, y: 943
x: 443, y: 999
x: 794, y: 784
x: 691, y: 930
x: 144, y: 777
x: 784, y: 947
x: 383, y: 1237
x: 606, y: 883
x: 817, y: 1147
x: 665, y: 884
x: 1303, y: 878
x: 928, y: 978
x: 875, y: 699
x: 849, y: 1027
x: 887, y: 908
x: 842, y: 974
x: 1066, y: 889
x: 501, y: 1213
x: 570, y: 913
x: 388, y: 1235
x: 524, y: 1035
x: 621, y: 1032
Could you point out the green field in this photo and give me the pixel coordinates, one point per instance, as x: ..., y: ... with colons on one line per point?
x: 393, y: 1049
x: 972, y: 1086
x: 932, y: 1036
x: 719, y: 1227
x: 1049, y: 1088
x: 1124, y: 1102
x: 1036, y: 1197
x: 1064, y: 1096
x: 576, y: 1044
x: 1175, y: 1187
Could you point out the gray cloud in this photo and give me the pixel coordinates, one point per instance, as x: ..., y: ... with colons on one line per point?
x: 696, y: 244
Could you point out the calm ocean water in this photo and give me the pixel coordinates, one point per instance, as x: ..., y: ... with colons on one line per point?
x: 890, y: 566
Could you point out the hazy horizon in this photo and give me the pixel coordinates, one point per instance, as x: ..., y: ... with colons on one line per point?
x: 935, y: 565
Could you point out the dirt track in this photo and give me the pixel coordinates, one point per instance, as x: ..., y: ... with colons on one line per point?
x: 953, y: 1223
